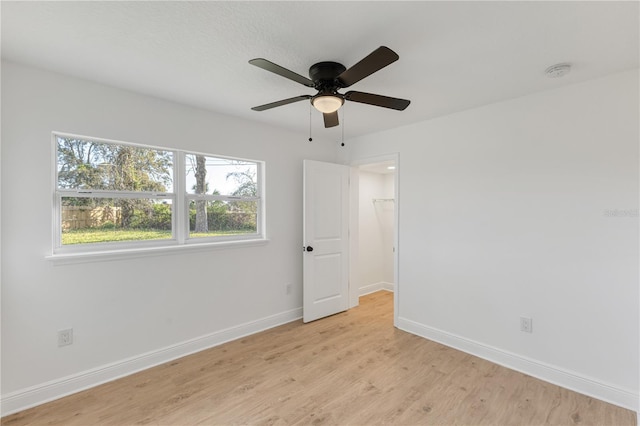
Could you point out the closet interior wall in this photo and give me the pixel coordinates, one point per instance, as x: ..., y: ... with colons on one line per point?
x: 376, y: 217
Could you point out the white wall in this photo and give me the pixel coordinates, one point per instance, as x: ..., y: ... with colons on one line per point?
x: 375, y: 242
x: 504, y: 213
x: 387, y: 214
x: 129, y: 314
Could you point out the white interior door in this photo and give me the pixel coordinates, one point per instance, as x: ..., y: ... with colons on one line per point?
x: 326, y: 239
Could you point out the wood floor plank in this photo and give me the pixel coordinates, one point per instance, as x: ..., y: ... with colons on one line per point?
x: 353, y: 368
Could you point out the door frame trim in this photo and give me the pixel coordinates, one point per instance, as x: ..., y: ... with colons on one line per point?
x: 354, y: 233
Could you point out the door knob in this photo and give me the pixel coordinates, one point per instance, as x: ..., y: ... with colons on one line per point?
x: 309, y: 248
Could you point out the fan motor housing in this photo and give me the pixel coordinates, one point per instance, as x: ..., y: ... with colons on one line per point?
x: 324, y: 73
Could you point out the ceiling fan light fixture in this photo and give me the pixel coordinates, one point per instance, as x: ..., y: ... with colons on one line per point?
x: 329, y: 77
x: 327, y: 103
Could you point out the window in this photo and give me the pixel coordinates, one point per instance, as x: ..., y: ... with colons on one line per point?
x: 223, y: 196
x: 113, y: 195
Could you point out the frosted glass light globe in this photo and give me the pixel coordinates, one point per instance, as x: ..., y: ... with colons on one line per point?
x: 327, y: 103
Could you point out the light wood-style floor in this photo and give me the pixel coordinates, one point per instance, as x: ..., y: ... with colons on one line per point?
x: 352, y: 368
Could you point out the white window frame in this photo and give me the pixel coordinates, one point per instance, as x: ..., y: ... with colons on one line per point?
x: 180, y: 208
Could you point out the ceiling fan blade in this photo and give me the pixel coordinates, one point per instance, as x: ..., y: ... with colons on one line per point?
x: 280, y: 103
x: 330, y: 119
x: 277, y: 69
x: 375, y: 61
x: 377, y: 100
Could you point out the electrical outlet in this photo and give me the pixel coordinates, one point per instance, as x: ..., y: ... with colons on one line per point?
x: 288, y: 288
x: 65, y: 337
x: 526, y: 325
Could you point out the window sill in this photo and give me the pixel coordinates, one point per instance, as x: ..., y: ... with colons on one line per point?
x: 107, y: 255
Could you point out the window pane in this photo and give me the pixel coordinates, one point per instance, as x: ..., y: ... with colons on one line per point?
x: 221, y: 176
x: 85, y: 164
x: 99, y: 220
x: 218, y: 218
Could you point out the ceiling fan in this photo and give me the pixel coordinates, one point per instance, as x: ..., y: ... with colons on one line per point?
x: 329, y: 77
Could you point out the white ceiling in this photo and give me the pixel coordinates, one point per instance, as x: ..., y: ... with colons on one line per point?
x: 453, y: 55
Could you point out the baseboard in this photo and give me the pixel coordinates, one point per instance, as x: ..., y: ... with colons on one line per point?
x: 387, y: 286
x: 55, y: 389
x: 549, y: 373
x: 372, y: 288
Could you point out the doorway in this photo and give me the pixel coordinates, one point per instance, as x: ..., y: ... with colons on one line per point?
x: 374, y: 228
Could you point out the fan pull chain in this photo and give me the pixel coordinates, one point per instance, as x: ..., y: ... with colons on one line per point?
x: 343, y: 123
x: 310, y: 116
